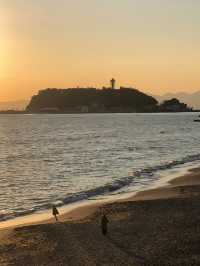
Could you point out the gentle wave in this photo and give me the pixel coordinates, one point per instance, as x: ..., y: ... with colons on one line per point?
x: 140, y: 177
x: 150, y: 170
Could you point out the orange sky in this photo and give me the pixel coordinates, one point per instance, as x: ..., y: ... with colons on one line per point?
x: 152, y: 45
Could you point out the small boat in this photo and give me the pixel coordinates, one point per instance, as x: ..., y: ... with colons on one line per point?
x: 196, y: 120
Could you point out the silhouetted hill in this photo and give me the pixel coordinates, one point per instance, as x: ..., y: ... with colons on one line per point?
x: 174, y: 105
x: 92, y: 100
x: 192, y: 99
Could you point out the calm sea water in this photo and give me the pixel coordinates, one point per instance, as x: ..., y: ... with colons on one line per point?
x: 60, y: 159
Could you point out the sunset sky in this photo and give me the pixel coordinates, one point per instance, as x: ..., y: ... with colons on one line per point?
x: 153, y: 45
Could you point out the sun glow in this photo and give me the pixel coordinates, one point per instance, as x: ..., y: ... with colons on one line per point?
x: 43, y: 45
x: 4, y: 43
x: 2, y: 60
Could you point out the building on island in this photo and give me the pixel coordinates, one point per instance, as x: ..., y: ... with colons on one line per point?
x: 112, y: 82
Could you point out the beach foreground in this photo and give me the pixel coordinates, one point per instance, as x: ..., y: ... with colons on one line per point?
x: 156, y: 227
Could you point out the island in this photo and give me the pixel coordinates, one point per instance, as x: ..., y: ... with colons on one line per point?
x: 92, y: 100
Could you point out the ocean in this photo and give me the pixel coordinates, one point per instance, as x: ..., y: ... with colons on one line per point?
x: 59, y: 159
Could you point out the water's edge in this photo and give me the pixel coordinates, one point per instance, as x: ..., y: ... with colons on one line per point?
x: 45, y: 215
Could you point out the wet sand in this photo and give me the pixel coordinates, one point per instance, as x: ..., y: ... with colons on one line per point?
x: 156, y: 227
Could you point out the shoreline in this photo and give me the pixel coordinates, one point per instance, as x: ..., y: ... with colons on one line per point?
x: 82, y: 209
x: 158, y: 226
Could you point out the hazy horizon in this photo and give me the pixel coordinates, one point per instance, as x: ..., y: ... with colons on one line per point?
x: 149, y: 45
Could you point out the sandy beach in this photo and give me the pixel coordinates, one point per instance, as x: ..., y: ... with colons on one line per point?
x: 155, y: 227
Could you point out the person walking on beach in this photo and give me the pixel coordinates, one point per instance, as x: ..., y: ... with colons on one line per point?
x: 104, y: 224
x: 55, y: 212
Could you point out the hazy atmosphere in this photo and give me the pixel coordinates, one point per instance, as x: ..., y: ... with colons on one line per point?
x: 99, y: 130
x: 151, y: 45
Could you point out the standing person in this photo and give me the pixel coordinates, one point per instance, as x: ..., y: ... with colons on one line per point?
x: 55, y: 212
x: 104, y: 224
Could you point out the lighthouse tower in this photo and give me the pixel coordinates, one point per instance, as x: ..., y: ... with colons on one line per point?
x: 112, y: 82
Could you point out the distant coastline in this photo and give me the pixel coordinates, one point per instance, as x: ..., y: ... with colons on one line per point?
x: 21, y: 112
x: 13, y: 112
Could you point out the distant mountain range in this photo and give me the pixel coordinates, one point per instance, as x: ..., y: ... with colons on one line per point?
x: 192, y: 99
x: 14, y: 105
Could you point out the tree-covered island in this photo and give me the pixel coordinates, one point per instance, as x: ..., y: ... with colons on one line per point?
x: 92, y: 100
